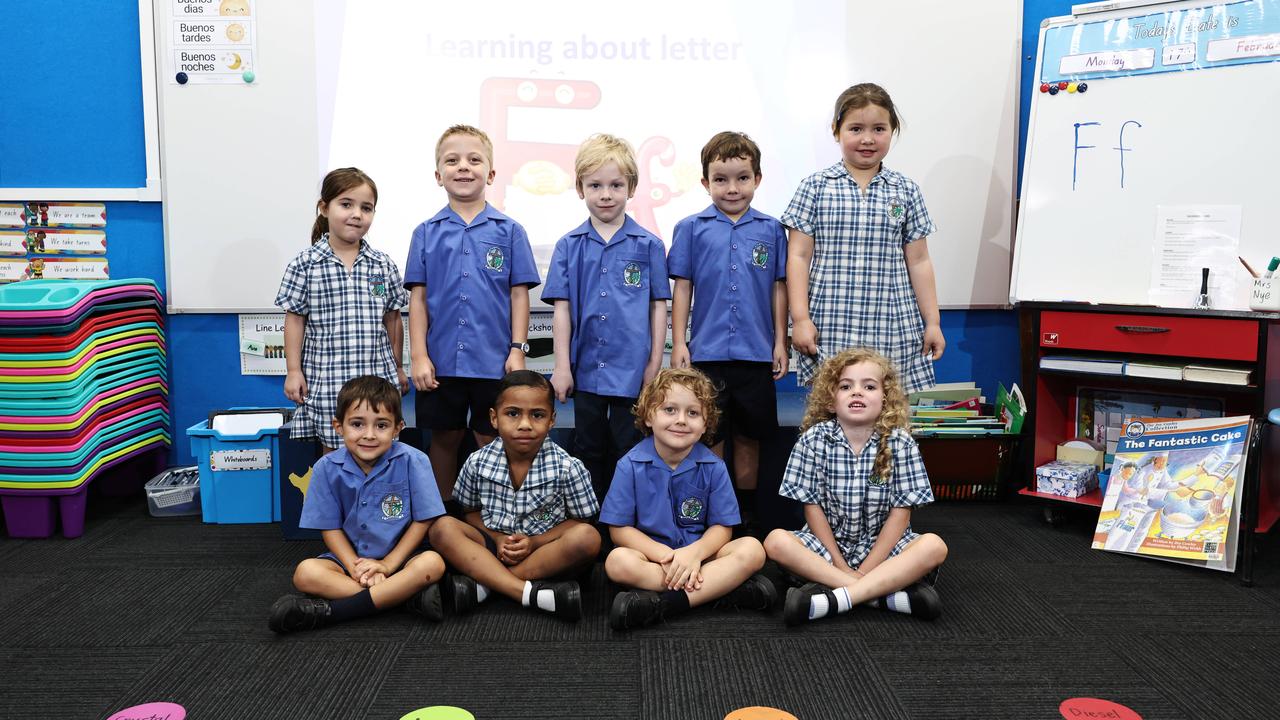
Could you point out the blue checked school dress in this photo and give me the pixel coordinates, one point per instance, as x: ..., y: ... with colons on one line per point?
x: 344, y: 335
x: 823, y: 470
x: 860, y: 294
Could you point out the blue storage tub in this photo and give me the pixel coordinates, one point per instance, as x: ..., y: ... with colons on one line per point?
x: 239, y: 474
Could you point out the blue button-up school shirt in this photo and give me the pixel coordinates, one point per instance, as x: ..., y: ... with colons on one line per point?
x: 674, y: 507
x: 373, y: 510
x: 609, y: 289
x: 733, y: 267
x: 469, y: 271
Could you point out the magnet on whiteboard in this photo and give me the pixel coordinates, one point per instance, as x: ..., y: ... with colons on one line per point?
x: 1044, y: 87
x: 1071, y: 87
x: 1082, y: 87
x: 1062, y: 85
x: 248, y: 76
x: 1053, y: 89
x: 181, y: 78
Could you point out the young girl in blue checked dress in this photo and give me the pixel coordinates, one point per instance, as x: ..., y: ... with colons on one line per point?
x: 859, y: 474
x: 342, y: 303
x: 858, y: 267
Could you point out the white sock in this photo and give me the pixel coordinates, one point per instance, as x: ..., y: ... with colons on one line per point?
x: 898, y: 602
x: 546, y: 599
x: 482, y: 593
x: 819, y: 606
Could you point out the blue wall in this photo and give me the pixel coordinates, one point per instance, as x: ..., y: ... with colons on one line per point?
x: 97, y: 49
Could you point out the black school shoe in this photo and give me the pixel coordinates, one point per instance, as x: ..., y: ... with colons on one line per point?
x: 925, y: 603
x: 292, y: 613
x: 461, y: 592
x: 568, y: 596
x: 635, y: 608
x: 426, y: 602
x: 756, y: 593
x: 795, y: 609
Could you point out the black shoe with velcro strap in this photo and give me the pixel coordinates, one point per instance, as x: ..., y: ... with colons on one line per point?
x: 292, y: 613
x: 795, y: 609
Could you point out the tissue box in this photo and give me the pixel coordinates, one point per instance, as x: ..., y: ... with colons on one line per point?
x: 1066, y: 479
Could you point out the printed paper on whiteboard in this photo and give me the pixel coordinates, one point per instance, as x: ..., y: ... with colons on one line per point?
x: 1189, y: 238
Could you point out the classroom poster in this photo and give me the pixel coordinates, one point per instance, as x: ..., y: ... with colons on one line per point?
x: 212, y: 42
x: 44, y: 233
x: 11, y: 215
x: 261, y: 343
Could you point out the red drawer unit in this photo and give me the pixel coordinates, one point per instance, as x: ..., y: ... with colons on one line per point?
x: 1194, y: 337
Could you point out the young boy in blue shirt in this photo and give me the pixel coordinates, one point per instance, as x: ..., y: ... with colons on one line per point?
x: 608, y: 283
x: 373, y: 501
x: 670, y: 507
x: 731, y: 259
x: 528, y: 510
x: 468, y: 273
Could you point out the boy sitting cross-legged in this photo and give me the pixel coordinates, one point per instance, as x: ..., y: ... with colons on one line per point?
x: 373, y: 500
x: 670, y: 508
x: 528, y: 506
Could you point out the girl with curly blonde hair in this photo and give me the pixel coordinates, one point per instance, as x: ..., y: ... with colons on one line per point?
x: 859, y: 474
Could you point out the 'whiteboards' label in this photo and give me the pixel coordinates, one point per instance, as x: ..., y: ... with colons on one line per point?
x: 220, y: 460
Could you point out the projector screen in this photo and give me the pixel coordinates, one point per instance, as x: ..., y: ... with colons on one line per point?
x: 373, y: 84
x: 539, y: 83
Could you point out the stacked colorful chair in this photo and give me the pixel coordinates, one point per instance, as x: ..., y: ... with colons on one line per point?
x: 83, y: 394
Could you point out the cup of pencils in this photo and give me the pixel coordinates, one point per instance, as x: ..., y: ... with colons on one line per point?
x: 1264, y: 295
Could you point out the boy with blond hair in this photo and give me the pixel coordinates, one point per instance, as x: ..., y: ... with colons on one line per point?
x: 608, y: 283
x: 468, y: 273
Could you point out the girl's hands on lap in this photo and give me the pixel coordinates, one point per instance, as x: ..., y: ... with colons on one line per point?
x: 424, y: 374
x: 295, y: 386
x: 804, y: 336
x: 934, y: 342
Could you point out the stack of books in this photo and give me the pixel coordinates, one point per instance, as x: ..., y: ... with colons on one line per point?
x: 1160, y: 369
x: 952, y: 409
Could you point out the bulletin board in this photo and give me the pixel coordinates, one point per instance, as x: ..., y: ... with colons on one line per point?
x: 374, y: 84
x: 78, y: 126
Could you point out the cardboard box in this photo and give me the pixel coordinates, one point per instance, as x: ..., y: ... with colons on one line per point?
x: 1066, y: 479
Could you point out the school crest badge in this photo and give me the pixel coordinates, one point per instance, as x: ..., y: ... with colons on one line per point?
x: 543, y: 514
x: 691, y: 507
x: 392, y: 507
x: 494, y: 259
x: 878, y: 480
x: 760, y: 255
x: 896, y: 210
x: 631, y: 275
x: 378, y: 286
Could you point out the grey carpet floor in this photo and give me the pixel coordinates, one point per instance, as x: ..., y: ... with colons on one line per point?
x: 144, y: 609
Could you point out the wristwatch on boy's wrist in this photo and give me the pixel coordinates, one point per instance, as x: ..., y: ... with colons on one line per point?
x: 521, y: 346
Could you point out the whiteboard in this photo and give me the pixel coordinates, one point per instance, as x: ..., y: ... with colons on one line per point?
x: 243, y: 163
x: 1205, y: 135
